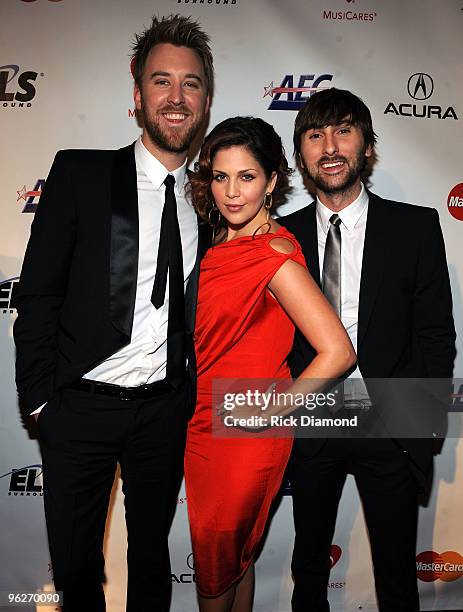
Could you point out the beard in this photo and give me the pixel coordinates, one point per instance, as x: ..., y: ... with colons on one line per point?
x: 329, y: 186
x: 174, y: 140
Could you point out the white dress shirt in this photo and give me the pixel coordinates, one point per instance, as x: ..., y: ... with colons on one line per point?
x: 353, y: 225
x: 144, y: 359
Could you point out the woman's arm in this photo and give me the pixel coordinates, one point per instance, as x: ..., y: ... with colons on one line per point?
x: 305, y: 304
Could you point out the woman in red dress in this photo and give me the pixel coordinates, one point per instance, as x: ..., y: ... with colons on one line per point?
x: 254, y: 288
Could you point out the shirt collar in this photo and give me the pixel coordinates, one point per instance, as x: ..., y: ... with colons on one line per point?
x: 349, y: 216
x: 155, y: 171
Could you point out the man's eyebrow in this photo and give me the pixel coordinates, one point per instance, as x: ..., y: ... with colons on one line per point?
x: 337, y: 124
x: 191, y: 75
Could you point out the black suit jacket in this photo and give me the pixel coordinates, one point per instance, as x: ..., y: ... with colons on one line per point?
x: 76, y: 295
x: 405, y: 323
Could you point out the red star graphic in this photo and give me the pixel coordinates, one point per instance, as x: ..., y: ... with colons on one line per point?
x: 21, y: 194
x: 268, y: 91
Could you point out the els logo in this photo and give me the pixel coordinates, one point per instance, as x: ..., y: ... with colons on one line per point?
x: 25, y: 481
x: 455, y: 202
x: 31, y: 197
x: 19, y: 93
x: 289, y: 97
x: 7, y: 298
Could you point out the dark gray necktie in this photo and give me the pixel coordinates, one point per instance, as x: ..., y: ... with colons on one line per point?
x: 331, y: 285
x: 331, y: 281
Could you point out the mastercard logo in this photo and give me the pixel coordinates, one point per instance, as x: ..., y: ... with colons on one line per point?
x: 431, y: 566
x: 455, y: 202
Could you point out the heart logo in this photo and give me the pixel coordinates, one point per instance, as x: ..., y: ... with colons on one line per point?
x: 335, y: 554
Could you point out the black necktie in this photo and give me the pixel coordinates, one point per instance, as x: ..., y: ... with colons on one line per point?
x: 170, y: 258
x: 331, y: 284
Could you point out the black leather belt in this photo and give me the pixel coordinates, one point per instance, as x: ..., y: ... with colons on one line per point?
x: 124, y: 393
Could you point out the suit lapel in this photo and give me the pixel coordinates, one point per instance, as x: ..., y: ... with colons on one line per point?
x: 308, y: 239
x: 124, y: 240
x: 191, y: 295
x: 374, y: 258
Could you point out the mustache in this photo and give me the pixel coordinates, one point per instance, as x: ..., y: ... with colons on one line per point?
x: 175, y: 109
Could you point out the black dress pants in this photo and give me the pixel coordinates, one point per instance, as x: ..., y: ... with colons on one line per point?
x: 83, y: 436
x: 388, y: 492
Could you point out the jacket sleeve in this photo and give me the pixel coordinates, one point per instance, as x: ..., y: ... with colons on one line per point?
x: 42, y: 286
x: 433, y: 319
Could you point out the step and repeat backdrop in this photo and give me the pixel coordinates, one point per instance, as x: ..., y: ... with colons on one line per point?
x: 65, y: 82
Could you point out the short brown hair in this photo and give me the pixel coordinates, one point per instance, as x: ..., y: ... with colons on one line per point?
x: 179, y: 31
x: 332, y: 107
x: 260, y: 139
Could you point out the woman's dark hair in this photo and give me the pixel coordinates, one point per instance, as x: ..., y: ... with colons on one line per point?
x: 260, y: 139
x: 332, y: 107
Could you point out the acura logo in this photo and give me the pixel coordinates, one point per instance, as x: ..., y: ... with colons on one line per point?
x: 420, y: 86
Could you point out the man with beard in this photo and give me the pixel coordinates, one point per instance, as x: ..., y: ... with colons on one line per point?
x: 382, y: 266
x: 106, y: 307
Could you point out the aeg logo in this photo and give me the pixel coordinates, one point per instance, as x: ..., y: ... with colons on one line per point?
x: 31, y: 196
x: 294, y: 98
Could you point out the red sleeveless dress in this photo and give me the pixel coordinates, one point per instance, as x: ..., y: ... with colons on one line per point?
x: 241, y: 331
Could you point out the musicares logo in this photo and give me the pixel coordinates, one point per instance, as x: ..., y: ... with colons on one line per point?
x: 446, y: 566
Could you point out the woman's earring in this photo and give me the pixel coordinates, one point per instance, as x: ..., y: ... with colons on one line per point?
x: 267, y: 205
x: 268, y: 200
x: 215, y: 225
